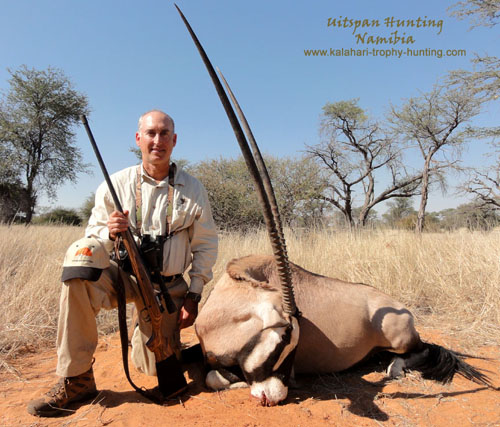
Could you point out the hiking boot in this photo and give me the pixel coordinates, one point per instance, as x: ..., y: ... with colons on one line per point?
x: 66, y: 391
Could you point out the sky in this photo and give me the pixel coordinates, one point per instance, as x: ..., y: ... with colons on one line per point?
x: 129, y: 57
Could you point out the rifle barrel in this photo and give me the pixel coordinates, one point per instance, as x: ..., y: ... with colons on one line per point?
x: 118, y: 205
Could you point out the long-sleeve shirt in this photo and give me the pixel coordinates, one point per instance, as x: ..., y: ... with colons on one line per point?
x: 194, y: 238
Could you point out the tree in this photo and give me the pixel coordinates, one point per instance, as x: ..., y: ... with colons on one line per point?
x: 296, y: 181
x: 354, y: 150
x: 231, y: 193
x: 434, y: 122
x: 483, y: 80
x: 13, y: 201
x: 482, y: 12
x: 36, y: 118
x: 59, y: 216
x: 298, y: 185
x: 473, y: 216
x: 484, y: 184
x: 398, y: 209
x: 86, y: 208
x: 13, y: 197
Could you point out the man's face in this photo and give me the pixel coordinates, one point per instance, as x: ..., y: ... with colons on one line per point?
x: 156, y: 139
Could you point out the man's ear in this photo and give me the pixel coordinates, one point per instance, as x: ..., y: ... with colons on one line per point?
x: 174, y: 139
x: 137, y: 138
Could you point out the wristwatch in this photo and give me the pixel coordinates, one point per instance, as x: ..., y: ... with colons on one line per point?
x: 194, y: 296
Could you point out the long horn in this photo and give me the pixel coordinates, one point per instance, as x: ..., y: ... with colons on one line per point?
x: 282, y: 259
x: 279, y: 250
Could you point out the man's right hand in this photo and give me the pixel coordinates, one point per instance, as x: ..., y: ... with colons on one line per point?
x: 117, y: 223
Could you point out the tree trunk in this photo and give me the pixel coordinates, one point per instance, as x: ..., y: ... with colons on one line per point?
x: 348, y: 211
x: 363, y: 216
x: 425, y: 195
x: 30, y: 202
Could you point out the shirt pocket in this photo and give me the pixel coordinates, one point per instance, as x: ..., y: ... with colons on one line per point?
x: 184, y: 213
x: 177, y: 253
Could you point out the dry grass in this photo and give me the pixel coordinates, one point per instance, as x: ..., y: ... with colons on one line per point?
x: 30, y: 271
x: 451, y: 280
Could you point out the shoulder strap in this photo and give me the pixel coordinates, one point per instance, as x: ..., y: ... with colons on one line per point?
x: 170, y: 207
x: 170, y: 200
x: 138, y: 201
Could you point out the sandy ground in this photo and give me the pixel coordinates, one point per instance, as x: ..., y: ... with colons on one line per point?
x: 360, y: 397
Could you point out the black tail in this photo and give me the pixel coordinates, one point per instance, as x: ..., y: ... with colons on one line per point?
x: 440, y: 364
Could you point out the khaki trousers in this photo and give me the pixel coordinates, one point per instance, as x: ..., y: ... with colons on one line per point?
x: 81, y: 301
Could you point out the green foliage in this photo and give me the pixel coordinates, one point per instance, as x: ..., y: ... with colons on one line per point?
x: 86, y: 208
x: 407, y: 222
x: 472, y: 216
x: 297, y: 184
x: 231, y: 193
x: 59, y: 216
x: 400, y: 213
x: 36, y: 117
x: 348, y: 111
x: 435, y: 122
x: 353, y: 152
x: 481, y: 12
x: 13, y: 202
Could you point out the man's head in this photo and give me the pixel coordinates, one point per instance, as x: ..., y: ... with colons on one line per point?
x: 156, y: 139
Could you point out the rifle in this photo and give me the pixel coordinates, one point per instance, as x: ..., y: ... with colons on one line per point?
x: 168, y: 369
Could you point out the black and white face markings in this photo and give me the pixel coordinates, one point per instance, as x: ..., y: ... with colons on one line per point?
x: 267, y: 360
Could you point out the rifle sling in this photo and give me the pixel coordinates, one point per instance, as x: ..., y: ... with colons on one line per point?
x: 122, y: 323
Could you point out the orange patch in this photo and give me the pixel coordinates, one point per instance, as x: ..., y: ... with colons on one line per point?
x: 84, y: 251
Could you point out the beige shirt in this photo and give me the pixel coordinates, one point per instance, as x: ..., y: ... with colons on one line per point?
x: 194, y: 240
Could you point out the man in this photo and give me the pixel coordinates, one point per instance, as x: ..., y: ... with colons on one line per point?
x: 158, y: 200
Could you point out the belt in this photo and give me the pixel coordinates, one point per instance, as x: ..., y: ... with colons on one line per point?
x: 170, y: 279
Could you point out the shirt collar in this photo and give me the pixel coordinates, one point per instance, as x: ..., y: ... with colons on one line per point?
x: 179, y: 178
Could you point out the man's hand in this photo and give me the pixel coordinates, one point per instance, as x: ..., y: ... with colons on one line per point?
x: 188, y: 314
x: 117, y: 223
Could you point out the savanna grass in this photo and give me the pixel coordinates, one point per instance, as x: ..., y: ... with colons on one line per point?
x: 450, y: 281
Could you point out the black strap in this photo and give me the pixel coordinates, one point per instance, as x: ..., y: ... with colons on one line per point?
x: 122, y: 323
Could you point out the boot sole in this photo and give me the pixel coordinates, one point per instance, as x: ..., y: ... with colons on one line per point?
x: 53, y: 411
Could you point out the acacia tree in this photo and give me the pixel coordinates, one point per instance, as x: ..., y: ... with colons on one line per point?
x: 398, y: 209
x: 484, y: 184
x: 231, y: 193
x: 481, y: 12
x: 36, y: 117
x: 354, y: 150
x: 12, y: 193
x: 435, y: 122
x: 484, y: 81
x: 234, y: 202
x: 298, y: 184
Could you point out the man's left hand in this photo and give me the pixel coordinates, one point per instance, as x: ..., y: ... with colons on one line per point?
x: 188, y: 314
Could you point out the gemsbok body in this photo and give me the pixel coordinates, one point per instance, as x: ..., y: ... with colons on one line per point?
x: 243, y: 328
x: 266, y: 316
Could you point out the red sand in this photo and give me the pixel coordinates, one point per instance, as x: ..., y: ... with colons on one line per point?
x: 359, y: 397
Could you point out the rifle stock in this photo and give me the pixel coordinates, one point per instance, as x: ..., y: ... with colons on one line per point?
x: 170, y: 377
x: 156, y: 343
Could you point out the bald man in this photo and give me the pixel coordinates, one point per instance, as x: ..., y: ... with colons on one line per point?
x: 168, y: 207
